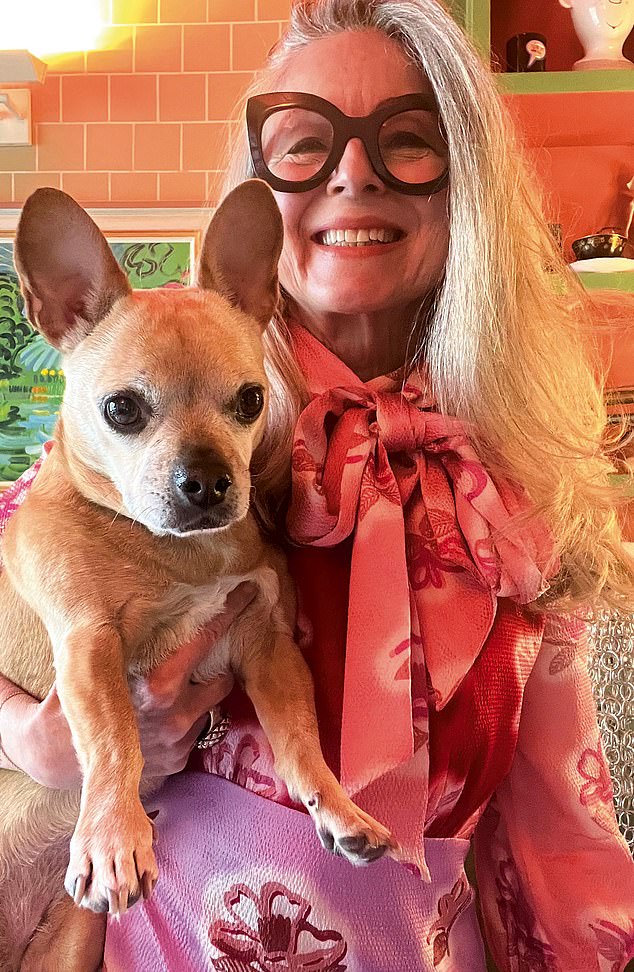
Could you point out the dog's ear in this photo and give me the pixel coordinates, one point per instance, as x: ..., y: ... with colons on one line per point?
x: 242, y: 248
x: 69, y: 277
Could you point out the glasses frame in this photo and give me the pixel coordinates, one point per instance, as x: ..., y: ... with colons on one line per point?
x: 366, y: 127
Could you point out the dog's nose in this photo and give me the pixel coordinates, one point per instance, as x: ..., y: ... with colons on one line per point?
x: 203, y: 487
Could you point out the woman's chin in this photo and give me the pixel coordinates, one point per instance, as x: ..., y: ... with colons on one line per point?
x: 351, y: 303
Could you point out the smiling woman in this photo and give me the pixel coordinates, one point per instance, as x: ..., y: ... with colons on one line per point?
x: 448, y: 499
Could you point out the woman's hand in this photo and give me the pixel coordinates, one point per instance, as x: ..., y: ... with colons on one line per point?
x: 171, y: 712
x: 36, y: 739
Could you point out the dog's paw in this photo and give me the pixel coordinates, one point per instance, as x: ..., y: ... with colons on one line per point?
x: 347, y: 831
x: 112, y: 862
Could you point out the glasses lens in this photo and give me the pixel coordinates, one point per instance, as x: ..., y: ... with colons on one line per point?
x: 412, y: 148
x: 296, y: 143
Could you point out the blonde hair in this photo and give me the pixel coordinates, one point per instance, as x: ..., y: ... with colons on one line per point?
x: 507, y: 341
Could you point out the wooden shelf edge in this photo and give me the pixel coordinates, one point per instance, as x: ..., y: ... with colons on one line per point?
x: 561, y: 82
x: 609, y: 281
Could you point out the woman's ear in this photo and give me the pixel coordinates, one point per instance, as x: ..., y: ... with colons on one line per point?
x: 242, y: 248
x: 568, y: 4
x: 68, y: 274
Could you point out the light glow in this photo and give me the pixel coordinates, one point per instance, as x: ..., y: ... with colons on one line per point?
x: 51, y: 26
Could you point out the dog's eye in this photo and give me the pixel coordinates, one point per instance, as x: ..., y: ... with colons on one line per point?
x: 124, y: 413
x: 250, y: 403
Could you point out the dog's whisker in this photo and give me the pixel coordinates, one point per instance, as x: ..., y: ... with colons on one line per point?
x: 118, y: 513
x: 135, y: 519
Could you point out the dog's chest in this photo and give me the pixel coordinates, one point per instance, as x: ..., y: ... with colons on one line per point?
x: 175, y: 618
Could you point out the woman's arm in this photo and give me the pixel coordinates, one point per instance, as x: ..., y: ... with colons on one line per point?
x: 34, y: 737
x: 556, y: 879
x: 171, y: 712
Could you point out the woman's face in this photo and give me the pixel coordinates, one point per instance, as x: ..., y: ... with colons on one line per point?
x: 356, y: 71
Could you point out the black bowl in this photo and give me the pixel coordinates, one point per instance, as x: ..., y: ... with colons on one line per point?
x: 602, y: 245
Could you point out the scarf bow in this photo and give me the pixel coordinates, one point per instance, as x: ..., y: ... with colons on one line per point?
x: 430, y: 555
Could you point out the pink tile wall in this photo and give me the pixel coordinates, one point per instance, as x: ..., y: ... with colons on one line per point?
x: 143, y: 120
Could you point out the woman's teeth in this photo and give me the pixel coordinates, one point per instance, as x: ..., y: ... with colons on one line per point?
x: 362, y: 237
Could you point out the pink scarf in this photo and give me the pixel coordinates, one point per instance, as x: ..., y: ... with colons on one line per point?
x: 372, y: 460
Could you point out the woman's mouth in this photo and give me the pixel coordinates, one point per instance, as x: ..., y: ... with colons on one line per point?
x: 357, y: 237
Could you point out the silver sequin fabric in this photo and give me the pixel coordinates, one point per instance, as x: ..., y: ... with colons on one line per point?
x: 612, y: 671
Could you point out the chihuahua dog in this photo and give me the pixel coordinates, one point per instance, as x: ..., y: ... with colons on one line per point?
x: 149, y: 489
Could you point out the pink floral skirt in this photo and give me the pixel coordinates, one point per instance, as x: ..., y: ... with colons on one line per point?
x: 245, y: 886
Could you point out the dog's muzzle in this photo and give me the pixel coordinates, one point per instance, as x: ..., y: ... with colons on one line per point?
x: 201, y: 486
x: 203, y: 494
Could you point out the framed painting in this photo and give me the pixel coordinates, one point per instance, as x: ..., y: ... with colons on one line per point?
x: 31, y: 371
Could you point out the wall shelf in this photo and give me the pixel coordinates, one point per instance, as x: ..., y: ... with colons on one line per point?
x: 475, y: 16
x: 608, y: 281
x: 561, y: 82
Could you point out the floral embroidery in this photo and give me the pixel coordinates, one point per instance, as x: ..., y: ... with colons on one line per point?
x: 14, y: 495
x: 446, y: 804
x: 403, y: 671
x: 529, y: 953
x: 237, y: 763
x: 488, y: 561
x: 563, y: 659
x: 270, y: 932
x: 566, y: 653
x: 376, y: 483
x: 615, y: 944
x: 469, y: 476
x: 425, y: 566
x: 415, y: 672
x: 568, y: 635
x: 597, y: 794
x: 303, y: 461
x: 450, y: 907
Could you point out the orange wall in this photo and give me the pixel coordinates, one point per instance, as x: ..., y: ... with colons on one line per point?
x: 582, y: 148
x: 143, y: 120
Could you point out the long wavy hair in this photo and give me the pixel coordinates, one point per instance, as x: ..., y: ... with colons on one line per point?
x: 507, y: 342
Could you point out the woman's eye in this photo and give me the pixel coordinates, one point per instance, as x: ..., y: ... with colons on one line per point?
x: 250, y: 403
x: 308, y: 146
x: 124, y: 414
x: 406, y: 142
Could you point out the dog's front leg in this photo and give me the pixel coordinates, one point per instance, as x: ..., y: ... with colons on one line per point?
x: 278, y: 682
x: 111, y: 856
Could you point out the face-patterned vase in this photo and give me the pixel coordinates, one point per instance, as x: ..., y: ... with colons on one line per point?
x: 602, y: 26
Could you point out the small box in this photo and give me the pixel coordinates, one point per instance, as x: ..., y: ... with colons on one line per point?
x: 15, y: 117
x: 526, y: 53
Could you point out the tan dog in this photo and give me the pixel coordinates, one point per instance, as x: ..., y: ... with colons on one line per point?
x: 148, y: 487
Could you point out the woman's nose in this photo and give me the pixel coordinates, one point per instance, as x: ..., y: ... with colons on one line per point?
x: 354, y: 174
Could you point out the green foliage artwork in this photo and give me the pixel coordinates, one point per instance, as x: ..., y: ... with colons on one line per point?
x: 32, y: 372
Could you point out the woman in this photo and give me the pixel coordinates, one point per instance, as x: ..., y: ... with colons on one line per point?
x: 452, y: 699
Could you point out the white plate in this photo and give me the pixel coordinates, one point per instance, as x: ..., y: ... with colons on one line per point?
x: 603, y: 265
